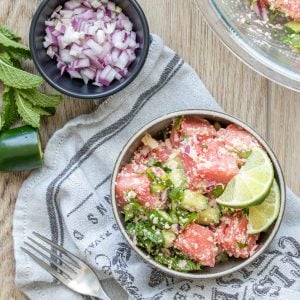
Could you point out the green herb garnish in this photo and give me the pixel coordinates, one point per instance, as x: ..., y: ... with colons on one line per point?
x: 218, y: 190
x: 244, y: 154
x: 21, y: 99
x: 217, y: 126
x: 242, y: 245
x: 178, y: 262
x: 178, y: 123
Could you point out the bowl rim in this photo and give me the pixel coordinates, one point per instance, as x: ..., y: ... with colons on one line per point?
x: 256, y: 61
x: 205, y: 114
x: 104, y: 94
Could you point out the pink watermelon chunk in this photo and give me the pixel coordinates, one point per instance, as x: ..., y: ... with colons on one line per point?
x: 198, y: 243
x: 211, y: 163
x: 196, y: 130
x: 237, y: 138
x: 290, y: 7
x: 162, y: 154
x: 233, y: 238
x: 139, y: 184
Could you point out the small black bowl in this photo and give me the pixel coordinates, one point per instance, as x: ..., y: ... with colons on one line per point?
x: 76, y: 87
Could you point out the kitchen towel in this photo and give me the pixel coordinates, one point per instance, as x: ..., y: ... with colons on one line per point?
x: 68, y: 199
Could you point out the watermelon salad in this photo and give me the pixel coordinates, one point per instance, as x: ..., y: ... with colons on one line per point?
x: 169, y: 195
x: 284, y: 15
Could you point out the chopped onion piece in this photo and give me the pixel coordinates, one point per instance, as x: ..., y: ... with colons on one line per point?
x: 92, y: 40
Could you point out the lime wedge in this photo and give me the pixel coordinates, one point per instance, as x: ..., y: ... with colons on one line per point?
x: 252, y: 184
x: 263, y: 215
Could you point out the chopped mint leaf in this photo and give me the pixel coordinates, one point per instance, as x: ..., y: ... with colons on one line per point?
x: 218, y: 190
x: 176, y: 194
x: 156, y: 188
x: 244, y: 154
x: 217, y: 126
x: 242, y: 245
x: 178, y: 123
x: 150, y: 174
x: 178, y: 262
x: 134, y: 209
x: 185, y: 137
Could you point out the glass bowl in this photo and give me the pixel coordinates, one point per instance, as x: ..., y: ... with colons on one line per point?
x: 257, y: 44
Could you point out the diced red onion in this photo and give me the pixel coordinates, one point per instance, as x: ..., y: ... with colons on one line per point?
x: 164, y: 196
x: 187, y: 149
x: 175, y: 228
x: 73, y: 4
x: 210, y: 187
x: 91, y: 40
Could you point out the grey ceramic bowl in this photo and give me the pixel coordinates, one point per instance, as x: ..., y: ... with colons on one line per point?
x: 75, y: 87
x: 154, y: 128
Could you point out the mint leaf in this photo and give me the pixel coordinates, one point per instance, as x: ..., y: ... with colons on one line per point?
x: 9, y: 109
x: 17, y: 78
x: 242, y: 245
x: 178, y: 123
x: 22, y: 50
x: 41, y: 99
x: 9, y: 34
x: 244, y: 154
x: 218, y: 190
x: 4, y: 56
x: 28, y: 113
x: 10, y: 59
x: 41, y: 111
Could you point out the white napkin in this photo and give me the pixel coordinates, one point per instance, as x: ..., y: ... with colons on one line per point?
x: 68, y: 200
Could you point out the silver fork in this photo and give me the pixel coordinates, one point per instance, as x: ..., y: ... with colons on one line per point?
x: 71, y: 271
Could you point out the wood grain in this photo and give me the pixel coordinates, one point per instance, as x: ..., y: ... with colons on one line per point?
x: 270, y: 109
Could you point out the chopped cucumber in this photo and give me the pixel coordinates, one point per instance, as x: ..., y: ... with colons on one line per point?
x: 193, y: 201
x: 176, y: 174
x: 209, y: 216
x: 292, y: 27
x: 178, y: 178
x: 292, y: 40
x: 169, y: 238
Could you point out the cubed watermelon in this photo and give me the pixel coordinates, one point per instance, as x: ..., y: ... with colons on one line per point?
x: 237, y: 138
x: 138, y: 184
x: 196, y: 130
x: 233, y: 238
x: 290, y: 7
x: 212, y: 163
x: 198, y: 243
x: 161, y: 153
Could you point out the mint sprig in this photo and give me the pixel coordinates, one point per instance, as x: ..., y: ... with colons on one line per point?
x: 21, y: 99
x: 9, y: 110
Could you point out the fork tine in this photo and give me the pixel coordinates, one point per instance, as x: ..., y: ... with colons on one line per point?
x: 41, y: 263
x: 67, y: 263
x: 52, y: 261
x: 71, y: 256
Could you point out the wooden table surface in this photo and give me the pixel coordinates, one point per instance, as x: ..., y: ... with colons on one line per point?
x: 269, y: 108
